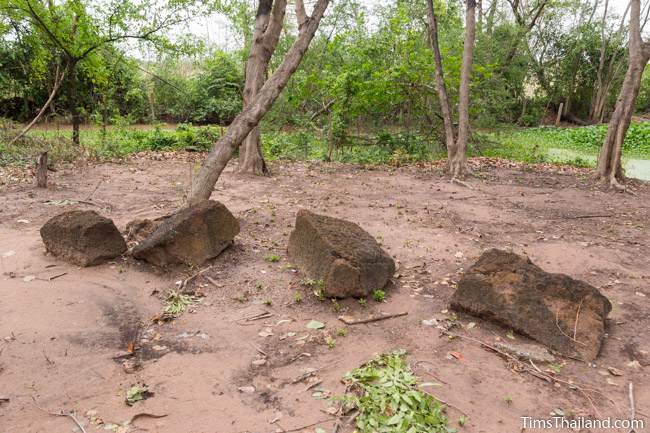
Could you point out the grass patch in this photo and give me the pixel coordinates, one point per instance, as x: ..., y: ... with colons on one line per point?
x: 385, y: 393
x: 176, y: 302
x: 574, y: 146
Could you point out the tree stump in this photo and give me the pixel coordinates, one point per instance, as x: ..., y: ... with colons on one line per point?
x: 41, y: 170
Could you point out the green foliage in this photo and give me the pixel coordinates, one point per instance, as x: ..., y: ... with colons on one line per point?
x: 379, y: 295
x: 176, y: 302
x: 388, y: 400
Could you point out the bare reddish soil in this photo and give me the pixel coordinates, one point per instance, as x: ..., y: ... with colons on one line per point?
x: 58, y: 337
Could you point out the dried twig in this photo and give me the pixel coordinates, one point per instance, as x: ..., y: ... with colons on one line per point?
x: 54, y: 277
x: 540, y: 375
x: 70, y: 415
x: 374, y: 318
x: 557, y: 323
x: 445, y: 402
x: 187, y: 280
x: 309, y: 425
x: 575, y: 325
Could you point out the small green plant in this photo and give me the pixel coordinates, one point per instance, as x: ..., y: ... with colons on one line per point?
x: 137, y: 393
x: 272, y: 258
x: 259, y: 286
x: 336, y: 307
x: 379, y: 295
x: 556, y: 368
x: 341, y: 332
x: 317, y: 285
x: 462, y: 420
x: 362, y: 302
x: 385, y: 393
x: 297, y: 297
x: 176, y: 303
x: 508, y: 400
x: 242, y: 297
x: 268, y: 302
x: 331, y: 342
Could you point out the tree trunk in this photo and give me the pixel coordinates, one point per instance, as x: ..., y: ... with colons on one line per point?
x: 251, y: 115
x: 457, y: 154
x: 268, y: 27
x: 72, y: 105
x: 443, y: 96
x: 41, y: 170
x: 609, y: 167
x: 58, y: 79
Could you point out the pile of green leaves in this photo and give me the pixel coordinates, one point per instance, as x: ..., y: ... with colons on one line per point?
x: 388, y: 400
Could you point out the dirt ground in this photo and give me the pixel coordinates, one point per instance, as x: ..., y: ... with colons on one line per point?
x: 59, y: 337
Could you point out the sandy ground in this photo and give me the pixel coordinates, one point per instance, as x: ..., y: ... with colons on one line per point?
x: 58, y: 337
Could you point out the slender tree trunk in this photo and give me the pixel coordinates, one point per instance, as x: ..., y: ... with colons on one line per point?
x: 457, y: 154
x: 594, y: 112
x: 58, y: 79
x: 72, y: 105
x: 268, y: 27
x: 490, y: 17
x: 249, y: 118
x: 609, y: 167
x: 443, y: 97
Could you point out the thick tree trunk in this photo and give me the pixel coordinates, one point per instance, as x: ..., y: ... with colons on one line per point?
x: 457, y: 154
x: 58, y: 79
x: 443, y: 96
x: 268, y: 27
x: 609, y: 167
x: 251, y: 115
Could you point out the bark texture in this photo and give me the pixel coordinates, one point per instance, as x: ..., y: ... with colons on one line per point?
x: 609, y: 160
x: 268, y: 27
x: 457, y: 154
x: 443, y: 97
x: 250, y: 117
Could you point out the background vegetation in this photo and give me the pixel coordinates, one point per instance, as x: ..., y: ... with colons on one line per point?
x: 364, y: 92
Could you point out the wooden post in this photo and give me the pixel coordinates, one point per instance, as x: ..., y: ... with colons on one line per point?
x: 559, y: 114
x: 41, y: 170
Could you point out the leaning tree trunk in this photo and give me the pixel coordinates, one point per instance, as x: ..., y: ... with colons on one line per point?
x: 443, y: 96
x: 268, y: 27
x: 58, y: 79
x: 609, y: 167
x: 251, y: 115
x: 457, y: 153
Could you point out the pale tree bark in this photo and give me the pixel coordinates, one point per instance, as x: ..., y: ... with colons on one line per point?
x: 58, y: 79
x: 250, y: 117
x: 609, y: 167
x: 443, y: 96
x: 457, y: 154
x: 604, y: 78
x: 268, y: 27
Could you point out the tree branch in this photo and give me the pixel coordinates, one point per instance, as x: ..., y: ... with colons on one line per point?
x: 301, y: 15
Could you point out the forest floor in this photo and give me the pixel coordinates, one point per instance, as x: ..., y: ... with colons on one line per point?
x: 61, y: 326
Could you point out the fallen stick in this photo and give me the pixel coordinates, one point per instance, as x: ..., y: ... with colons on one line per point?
x: 193, y: 276
x: 374, y: 318
x: 536, y: 373
x: 308, y: 425
x: 70, y: 415
x: 445, y: 403
x: 54, y: 277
